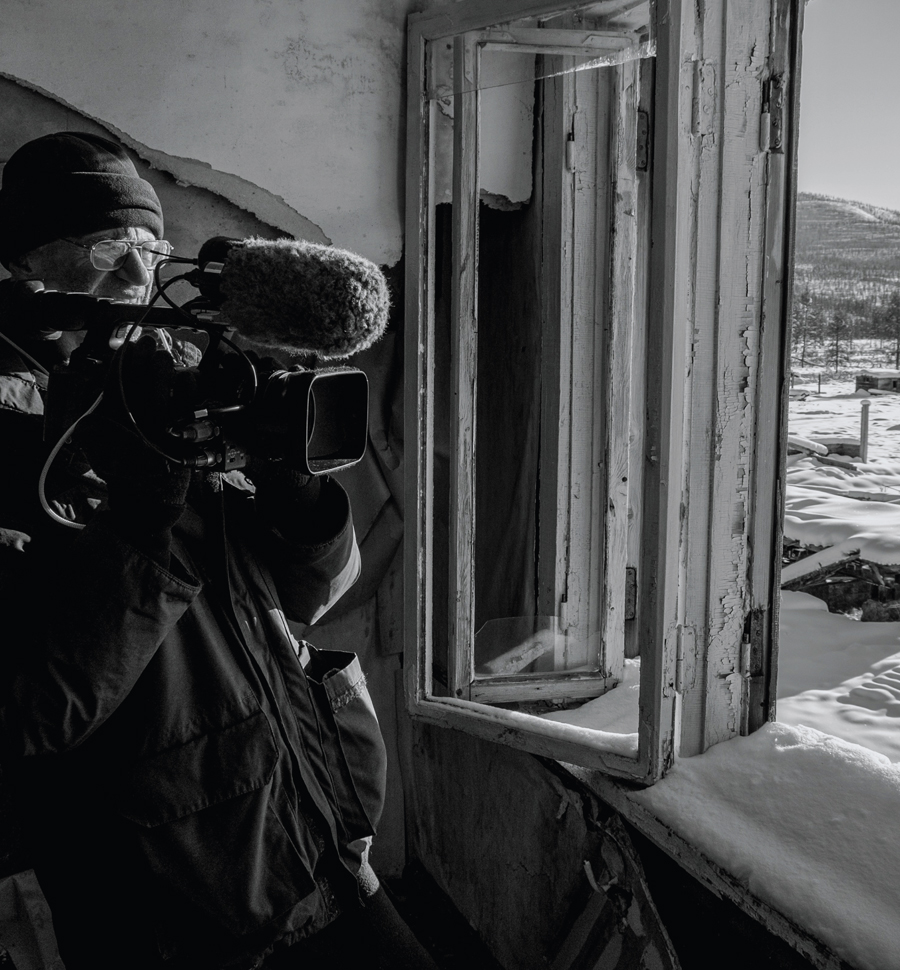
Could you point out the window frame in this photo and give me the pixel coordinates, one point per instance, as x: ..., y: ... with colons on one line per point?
x: 718, y: 255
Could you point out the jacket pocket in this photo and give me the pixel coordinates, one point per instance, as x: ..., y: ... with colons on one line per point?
x: 207, y: 822
x: 206, y: 770
x: 351, y: 740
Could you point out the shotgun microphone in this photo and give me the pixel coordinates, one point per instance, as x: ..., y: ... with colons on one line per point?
x: 294, y: 296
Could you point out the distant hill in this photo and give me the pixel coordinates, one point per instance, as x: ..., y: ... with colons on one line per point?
x: 846, y: 250
x: 846, y: 285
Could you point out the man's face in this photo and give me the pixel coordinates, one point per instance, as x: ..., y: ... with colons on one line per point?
x: 61, y: 266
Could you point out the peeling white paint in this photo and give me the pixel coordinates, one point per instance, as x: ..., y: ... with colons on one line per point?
x: 293, y: 111
x: 189, y: 172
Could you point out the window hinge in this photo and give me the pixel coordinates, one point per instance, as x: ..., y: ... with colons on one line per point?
x: 630, y: 592
x: 703, y: 103
x: 679, y: 661
x: 642, y: 152
x: 685, y: 641
x: 570, y: 152
x: 771, y: 122
x: 744, y: 670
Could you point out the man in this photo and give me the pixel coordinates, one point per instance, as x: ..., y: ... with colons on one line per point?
x: 200, y: 789
x: 56, y: 188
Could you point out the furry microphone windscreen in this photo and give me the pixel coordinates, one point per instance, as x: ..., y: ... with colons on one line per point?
x: 302, y: 297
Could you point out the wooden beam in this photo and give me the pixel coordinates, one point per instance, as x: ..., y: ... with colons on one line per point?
x: 418, y: 386
x: 479, y: 14
x: 668, y: 371
x: 464, y: 354
x: 549, y: 739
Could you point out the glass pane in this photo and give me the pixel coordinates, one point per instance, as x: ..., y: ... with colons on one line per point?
x: 525, y: 150
x: 543, y: 268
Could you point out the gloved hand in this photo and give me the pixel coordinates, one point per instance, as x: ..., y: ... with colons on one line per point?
x: 146, y: 490
x: 278, y: 485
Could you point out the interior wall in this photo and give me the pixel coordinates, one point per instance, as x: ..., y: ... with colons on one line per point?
x: 291, y: 110
x: 546, y: 876
x: 192, y: 214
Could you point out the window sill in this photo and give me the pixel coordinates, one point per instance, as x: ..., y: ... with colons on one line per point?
x: 794, y: 827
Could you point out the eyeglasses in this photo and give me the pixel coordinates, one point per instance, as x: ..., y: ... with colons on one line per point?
x: 110, y: 254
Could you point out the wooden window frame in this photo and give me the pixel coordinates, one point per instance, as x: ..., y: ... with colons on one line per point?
x: 715, y: 376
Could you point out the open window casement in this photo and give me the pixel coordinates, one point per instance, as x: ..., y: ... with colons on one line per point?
x: 589, y: 211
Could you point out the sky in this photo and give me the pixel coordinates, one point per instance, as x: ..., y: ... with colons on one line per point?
x: 849, y: 94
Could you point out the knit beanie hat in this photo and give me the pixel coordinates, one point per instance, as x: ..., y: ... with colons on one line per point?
x: 70, y: 184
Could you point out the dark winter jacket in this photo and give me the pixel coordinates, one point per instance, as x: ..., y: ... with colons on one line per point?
x: 199, y: 786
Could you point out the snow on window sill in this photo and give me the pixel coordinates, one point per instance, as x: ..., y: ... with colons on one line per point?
x: 614, y: 714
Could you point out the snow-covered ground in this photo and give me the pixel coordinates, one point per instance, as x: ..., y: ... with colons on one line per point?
x: 836, y: 674
x: 837, y: 410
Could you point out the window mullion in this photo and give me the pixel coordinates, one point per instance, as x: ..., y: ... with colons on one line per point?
x: 464, y: 317
x: 617, y: 378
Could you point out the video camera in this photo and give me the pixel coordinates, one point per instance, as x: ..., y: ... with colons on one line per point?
x: 283, y: 295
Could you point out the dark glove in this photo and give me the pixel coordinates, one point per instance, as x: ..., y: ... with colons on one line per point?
x: 278, y: 485
x: 147, y: 491
x: 303, y: 509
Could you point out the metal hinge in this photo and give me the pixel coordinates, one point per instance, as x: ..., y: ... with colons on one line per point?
x: 771, y: 122
x: 685, y: 645
x: 703, y: 102
x: 679, y: 661
x: 642, y: 151
x: 630, y: 592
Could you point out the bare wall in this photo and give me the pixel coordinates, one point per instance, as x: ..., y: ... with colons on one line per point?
x: 293, y: 110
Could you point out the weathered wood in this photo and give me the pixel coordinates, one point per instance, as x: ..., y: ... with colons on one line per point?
x: 556, y: 364
x: 661, y: 577
x: 536, y: 735
x: 479, y: 14
x: 555, y: 41
x: 774, y: 374
x: 737, y: 329
x: 418, y: 387
x: 624, y: 256
x: 540, y: 687
x: 583, y: 507
x: 712, y: 345
x: 464, y: 341
x: 638, y: 369
x: 701, y: 81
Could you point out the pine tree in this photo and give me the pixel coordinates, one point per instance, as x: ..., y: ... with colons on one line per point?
x: 838, y: 333
x: 890, y: 323
x: 806, y: 324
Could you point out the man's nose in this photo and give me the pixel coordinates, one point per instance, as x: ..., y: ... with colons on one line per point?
x: 134, y: 270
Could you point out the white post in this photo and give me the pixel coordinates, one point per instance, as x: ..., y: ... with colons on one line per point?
x: 864, y: 431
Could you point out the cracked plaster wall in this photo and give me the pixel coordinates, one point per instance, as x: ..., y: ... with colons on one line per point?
x: 291, y: 110
x: 542, y: 870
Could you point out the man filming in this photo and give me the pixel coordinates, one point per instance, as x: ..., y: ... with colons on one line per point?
x: 199, y: 789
